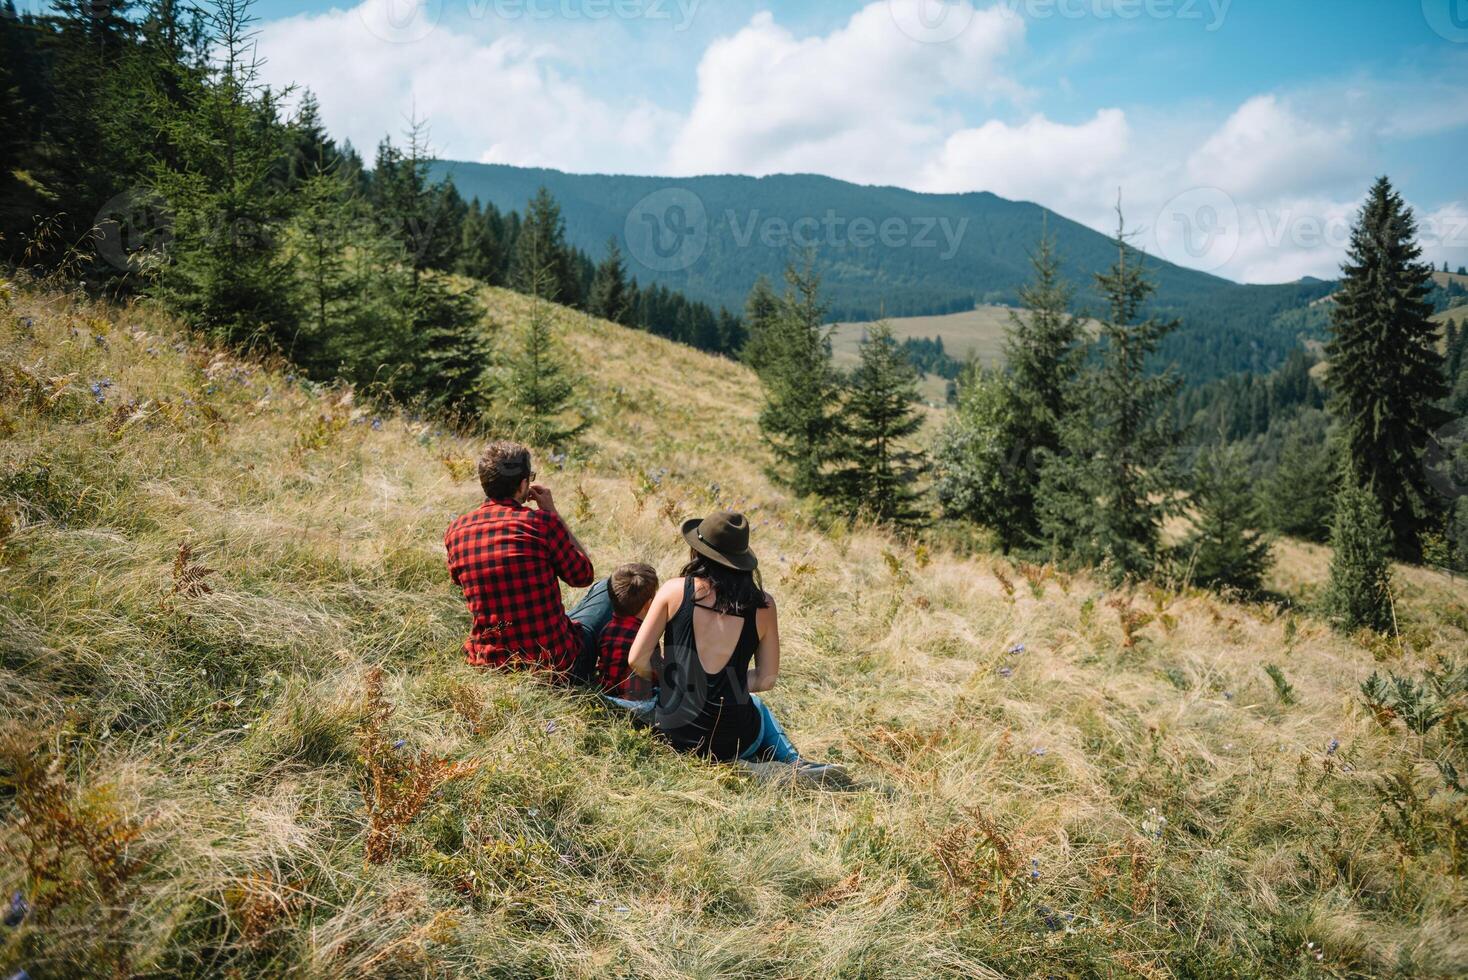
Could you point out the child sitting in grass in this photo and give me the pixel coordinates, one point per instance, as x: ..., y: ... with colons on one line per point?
x: 632, y: 588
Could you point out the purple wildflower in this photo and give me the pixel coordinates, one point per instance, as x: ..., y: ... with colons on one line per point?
x: 376, y: 425
x: 1017, y: 649
x: 18, y: 910
x: 1037, y: 751
x: 1330, y: 749
x: 1006, y: 671
x: 1034, y: 869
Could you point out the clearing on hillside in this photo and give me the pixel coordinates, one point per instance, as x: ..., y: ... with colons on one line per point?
x: 230, y: 672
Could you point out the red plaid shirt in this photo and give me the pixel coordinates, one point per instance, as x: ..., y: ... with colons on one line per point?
x: 506, y: 558
x: 613, y: 673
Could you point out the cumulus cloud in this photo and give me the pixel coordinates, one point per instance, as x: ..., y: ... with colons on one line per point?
x: 1032, y: 161
x: 863, y: 102
x: 904, y: 92
x: 1265, y: 148
x: 500, y: 100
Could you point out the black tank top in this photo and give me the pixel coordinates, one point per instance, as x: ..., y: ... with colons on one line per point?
x: 707, y: 714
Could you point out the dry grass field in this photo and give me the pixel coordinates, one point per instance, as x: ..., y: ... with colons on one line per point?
x: 240, y: 740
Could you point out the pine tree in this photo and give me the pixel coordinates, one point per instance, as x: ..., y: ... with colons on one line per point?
x: 760, y: 311
x: 541, y: 260
x: 1456, y: 347
x: 732, y: 335
x: 877, y: 472
x: 451, y: 350
x: 425, y: 217
x: 1043, y: 351
x: 974, y: 462
x: 1359, y: 594
x: 798, y: 419
x: 324, y: 228
x: 1385, y: 369
x: 608, y: 297
x: 1104, y: 496
x: 310, y: 149
x: 540, y: 384
x: 228, y: 271
x: 483, y: 251
x: 1226, y: 549
x: 1298, y: 497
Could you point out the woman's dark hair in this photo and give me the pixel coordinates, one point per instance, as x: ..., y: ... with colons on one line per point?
x: 736, y: 593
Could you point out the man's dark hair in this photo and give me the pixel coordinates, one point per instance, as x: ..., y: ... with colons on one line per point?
x: 633, y: 587
x: 502, y: 467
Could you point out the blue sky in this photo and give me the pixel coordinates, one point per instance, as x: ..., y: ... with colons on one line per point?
x: 1269, y: 116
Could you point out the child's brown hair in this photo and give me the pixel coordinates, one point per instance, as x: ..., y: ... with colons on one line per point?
x: 633, y: 587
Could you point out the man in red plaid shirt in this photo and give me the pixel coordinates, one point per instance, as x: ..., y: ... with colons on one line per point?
x: 507, y: 558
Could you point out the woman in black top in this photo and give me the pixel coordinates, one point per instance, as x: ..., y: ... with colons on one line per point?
x: 721, y: 646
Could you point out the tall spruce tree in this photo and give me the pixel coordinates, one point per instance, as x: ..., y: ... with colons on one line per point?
x: 1359, y: 593
x: 542, y: 264
x: 324, y: 228
x: 974, y: 458
x: 1104, y: 496
x: 1226, y: 548
x: 1385, y: 369
x: 877, y: 470
x: 423, y: 216
x: 540, y: 383
x: 1298, y: 496
x: 451, y: 350
x: 1042, y: 350
x: 799, y: 417
x: 760, y: 312
x: 227, y: 270
x: 608, y: 298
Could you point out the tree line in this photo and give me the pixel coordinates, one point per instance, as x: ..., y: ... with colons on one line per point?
x: 140, y: 151
x: 1080, y: 451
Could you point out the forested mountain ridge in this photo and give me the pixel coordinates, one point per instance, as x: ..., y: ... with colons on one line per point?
x: 943, y: 254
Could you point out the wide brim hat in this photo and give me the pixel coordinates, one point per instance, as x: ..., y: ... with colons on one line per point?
x: 723, y: 536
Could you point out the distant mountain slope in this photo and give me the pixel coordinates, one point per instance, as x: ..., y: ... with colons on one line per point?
x: 883, y: 250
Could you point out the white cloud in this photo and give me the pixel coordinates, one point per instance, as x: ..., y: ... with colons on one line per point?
x: 1036, y: 160
x: 503, y: 100
x: 869, y: 101
x: 1265, y: 148
x: 863, y: 102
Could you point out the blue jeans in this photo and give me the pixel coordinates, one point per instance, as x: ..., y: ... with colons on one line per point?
x: 591, y: 614
x: 773, y: 744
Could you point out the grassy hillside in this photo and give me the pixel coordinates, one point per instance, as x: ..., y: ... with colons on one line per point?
x: 973, y: 333
x: 914, y: 269
x: 203, y: 561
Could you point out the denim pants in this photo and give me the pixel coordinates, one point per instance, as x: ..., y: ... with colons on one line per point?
x: 772, y: 745
x: 591, y: 614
